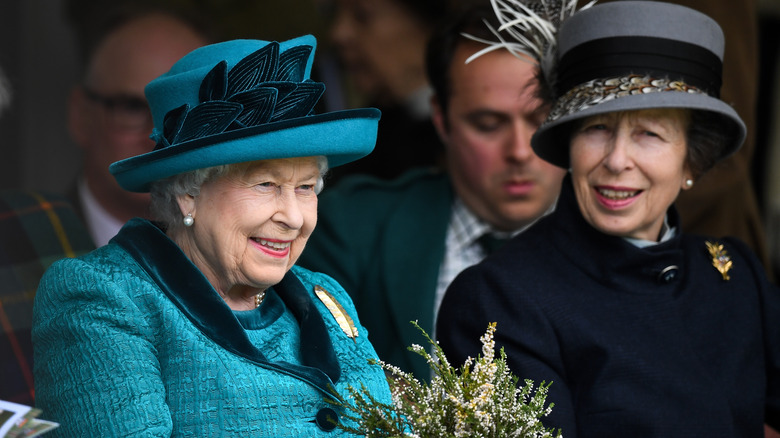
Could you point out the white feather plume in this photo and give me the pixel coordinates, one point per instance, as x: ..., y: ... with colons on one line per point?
x: 530, y: 28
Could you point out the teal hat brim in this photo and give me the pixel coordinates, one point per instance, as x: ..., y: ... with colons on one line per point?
x: 341, y: 136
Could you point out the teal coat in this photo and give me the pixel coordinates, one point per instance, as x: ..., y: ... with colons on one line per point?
x: 384, y: 241
x: 132, y: 340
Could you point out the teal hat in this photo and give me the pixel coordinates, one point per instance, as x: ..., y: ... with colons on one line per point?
x: 239, y: 101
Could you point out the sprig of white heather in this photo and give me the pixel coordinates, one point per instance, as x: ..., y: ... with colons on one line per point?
x: 480, y: 399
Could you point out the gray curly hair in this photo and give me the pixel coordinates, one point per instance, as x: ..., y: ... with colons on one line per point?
x: 165, y: 193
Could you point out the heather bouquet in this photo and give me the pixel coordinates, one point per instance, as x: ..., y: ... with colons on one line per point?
x: 480, y: 399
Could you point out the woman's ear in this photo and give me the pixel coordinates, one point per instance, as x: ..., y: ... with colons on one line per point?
x: 687, y: 181
x: 187, y: 204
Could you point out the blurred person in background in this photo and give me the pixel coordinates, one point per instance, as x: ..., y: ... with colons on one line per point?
x: 396, y: 245
x: 108, y: 116
x: 36, y: 229
x: 381, y: 48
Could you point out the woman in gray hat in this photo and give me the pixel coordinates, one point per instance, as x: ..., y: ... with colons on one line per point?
x: 200, y: 323
x: 642, y: 329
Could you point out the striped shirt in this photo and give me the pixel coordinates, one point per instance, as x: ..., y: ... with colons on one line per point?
x: 462, y: 248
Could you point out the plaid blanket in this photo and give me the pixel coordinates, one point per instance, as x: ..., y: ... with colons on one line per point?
x: 35, y: 230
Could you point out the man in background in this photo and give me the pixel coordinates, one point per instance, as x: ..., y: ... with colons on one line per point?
x: 396, y: 245
x: 108, y: 116
x: 36, y: 229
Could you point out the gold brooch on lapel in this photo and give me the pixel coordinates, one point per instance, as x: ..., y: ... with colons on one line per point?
x: 338, y: 312
x: 720, y: 259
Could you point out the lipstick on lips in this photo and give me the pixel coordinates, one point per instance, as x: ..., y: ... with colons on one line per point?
x: 273, y: 247
x: 614, y: 197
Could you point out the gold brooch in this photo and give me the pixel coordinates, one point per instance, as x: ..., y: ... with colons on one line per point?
x: 720, y: 259
x: 338, y: 312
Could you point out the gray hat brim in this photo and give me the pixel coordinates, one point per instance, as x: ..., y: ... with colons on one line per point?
x: 551, y: 140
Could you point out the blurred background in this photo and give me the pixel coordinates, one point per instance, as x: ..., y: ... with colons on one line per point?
x: 38, y: 52
x: 40, y: 58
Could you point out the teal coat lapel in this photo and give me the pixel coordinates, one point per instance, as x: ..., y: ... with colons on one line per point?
x: 186, y: 287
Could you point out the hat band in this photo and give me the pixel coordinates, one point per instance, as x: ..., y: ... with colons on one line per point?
x: 656, y: 57
x: 598, y: 91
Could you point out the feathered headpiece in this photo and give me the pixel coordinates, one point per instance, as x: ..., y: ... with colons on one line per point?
x: 532, y: 27
x: 617, y: 56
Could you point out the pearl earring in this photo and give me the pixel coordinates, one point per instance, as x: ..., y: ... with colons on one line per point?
x: 188, y: 220
x: 689, y: 183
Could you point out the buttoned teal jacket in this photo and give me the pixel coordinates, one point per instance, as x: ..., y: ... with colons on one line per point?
x: 132, y: 340
x: 384, y: 241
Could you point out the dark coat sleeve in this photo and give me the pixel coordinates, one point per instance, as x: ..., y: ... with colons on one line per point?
x: 769, y: 301
x: 471, y: 303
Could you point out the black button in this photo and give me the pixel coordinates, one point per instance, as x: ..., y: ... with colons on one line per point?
x: 669, y: 274
x: 327, y: 419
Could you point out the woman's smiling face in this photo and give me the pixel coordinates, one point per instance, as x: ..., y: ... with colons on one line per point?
x: 628, y: 168
x: 252, y: 223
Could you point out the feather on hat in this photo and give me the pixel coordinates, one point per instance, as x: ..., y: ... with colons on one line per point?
x: 618, y: 56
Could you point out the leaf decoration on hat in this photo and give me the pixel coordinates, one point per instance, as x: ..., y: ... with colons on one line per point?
x: 171, y: 126
x: 208, y: 118
x: 531, y: 28
x: 259, y: 104
x: 254, y: 69
x: 266, y: 86
x: 299, y: 102
x: 214, y: 85
x: 292, y: 64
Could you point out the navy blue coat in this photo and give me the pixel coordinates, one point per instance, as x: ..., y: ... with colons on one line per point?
x: 632, y: 346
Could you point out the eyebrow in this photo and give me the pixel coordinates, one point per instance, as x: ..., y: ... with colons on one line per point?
x: 271, y: 172
x: 484, y: 112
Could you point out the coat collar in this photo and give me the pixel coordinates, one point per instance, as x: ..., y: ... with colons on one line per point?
x: 191, y: 292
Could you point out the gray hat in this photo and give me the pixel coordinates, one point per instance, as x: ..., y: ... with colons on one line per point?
x: 632, y: 55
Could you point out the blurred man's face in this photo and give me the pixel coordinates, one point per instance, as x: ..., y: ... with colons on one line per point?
x: 487, y: 130
x: 381, y: 45
x: 109, y: 117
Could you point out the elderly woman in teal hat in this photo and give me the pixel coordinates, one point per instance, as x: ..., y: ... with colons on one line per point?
x: 642, y: 329
x: 200, y: 324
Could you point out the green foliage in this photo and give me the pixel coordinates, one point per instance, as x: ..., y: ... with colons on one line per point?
x: 482, y: 399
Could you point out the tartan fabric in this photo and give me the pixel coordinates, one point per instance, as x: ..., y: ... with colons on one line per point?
x: 35, y: 230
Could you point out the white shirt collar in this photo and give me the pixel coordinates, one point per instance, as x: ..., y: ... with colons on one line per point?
x: 667, y: 233
x: 466, y: 227
x: 102, y: 226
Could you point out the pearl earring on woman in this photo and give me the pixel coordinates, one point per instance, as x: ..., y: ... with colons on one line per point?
x: 188, y: 220
x: 688, y: 183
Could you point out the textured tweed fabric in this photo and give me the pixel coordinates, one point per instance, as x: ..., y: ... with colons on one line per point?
x: 120, y: 353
